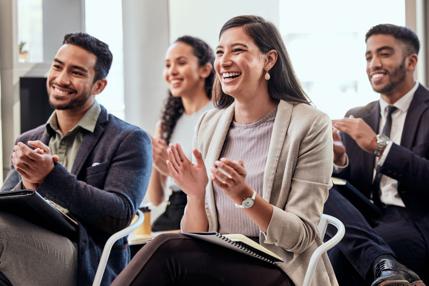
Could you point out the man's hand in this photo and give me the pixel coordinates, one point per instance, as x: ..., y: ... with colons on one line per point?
x: 360, y: 132
x: 32, y: 164
x: 340, y: 156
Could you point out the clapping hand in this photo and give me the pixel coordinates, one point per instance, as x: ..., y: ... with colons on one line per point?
x: 191, y: 178
x: 33, y: 162
x: 230, y: 176
x: 159, y: 154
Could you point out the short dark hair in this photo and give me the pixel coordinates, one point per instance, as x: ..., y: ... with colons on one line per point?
x: 283, y: 83
x: 95, y: 46
x: 403, y: 34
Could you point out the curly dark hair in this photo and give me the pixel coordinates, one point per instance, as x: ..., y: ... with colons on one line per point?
x: 96, y: 47
x: 173, y: 107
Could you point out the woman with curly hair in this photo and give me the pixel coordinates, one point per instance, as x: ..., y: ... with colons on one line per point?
x: 189, y: 74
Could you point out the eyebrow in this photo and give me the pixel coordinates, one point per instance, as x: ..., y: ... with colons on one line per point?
x: 233, y: 45
x: 381, y: 49
x: 73, y: 66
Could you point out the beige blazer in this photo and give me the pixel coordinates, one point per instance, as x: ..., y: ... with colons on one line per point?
x: 296, y: 181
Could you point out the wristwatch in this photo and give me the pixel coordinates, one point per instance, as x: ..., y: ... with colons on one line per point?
x: 248, y: 202
x: 382, y: 141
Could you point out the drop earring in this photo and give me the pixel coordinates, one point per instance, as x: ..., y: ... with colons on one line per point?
x: 267, y: 76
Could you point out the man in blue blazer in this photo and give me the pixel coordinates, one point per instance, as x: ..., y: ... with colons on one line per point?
x: 85, y: 160
x: 383, y: 151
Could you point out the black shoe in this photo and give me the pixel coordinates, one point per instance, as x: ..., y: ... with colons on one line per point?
x: 389, y: 272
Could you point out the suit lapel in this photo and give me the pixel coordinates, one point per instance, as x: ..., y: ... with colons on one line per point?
x: 213, y: 152
x: 89, y: 142
x: 278, y: 136
x: 418, y: 105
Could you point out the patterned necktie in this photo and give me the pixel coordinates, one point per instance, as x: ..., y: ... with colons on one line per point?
x: 386, y: 131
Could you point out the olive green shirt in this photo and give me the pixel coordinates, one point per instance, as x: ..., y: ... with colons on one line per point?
x: 67, y: 145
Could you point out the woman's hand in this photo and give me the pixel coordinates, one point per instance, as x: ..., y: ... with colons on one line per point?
x: 191, y: 178
x: 159, y: 154
x: 230, y: 176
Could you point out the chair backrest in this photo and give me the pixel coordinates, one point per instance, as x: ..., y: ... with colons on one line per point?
x: 109, y: 244
x: 317, y: 254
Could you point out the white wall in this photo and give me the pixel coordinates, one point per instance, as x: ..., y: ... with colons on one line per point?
x: 204, y: 18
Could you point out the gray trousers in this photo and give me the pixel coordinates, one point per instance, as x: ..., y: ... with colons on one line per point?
x: 31, y: 255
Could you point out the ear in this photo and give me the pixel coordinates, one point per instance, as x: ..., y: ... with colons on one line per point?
x: 411, y: 62
x: 271, y: 59
x: 206, y: 70
x: 98, y: 86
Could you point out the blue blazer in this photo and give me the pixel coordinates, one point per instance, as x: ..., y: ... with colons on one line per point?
x: 408, y: 163
x: 107, y: 183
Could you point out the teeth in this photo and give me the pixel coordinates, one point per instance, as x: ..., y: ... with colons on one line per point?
x: 230, y: 74
x: 377, y: 76
x: 62, y: 91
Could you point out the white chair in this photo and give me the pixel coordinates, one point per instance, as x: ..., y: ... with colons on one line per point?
x: 109, y: 244
x: 315, y: 257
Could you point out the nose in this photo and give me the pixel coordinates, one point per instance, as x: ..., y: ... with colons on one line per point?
x: 374, y: 63
x: 225, y: 60
x: 63, y: 77
x: 172, y: 70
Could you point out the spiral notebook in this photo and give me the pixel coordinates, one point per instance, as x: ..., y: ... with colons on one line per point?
x: 239, y: 243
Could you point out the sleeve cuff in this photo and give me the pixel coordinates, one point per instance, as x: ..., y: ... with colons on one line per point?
x: 338, y: 168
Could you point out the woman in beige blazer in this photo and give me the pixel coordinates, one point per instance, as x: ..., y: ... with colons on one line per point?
x: 263, y: 116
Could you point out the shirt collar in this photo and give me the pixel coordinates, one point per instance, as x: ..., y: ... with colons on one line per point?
x: 403, y: 103
x: 87, y: 122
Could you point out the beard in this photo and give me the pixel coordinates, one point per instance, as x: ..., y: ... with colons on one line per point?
x: 74, y: 103
x: 397, y: 77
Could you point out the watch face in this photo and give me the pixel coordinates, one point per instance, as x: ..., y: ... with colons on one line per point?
x: 248, y: 203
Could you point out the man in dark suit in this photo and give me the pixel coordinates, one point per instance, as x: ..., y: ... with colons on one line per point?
x: 85, y: 160
x: 382, y: 149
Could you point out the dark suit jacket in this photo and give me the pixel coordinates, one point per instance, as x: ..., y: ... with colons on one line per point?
x: 407, y: 163
x: 108, y: 181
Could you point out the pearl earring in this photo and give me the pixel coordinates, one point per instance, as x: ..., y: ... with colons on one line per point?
x: 267, y: 76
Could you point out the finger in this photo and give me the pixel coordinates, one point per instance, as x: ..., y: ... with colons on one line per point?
x: 172, y: 170
x: 172, y: 158
x: 221, y: 175
x: 55, y: 158
x: 198, y: 158
x: 39, y: 144
x: 236, y: 165
x: 226, y: 170
x: 181, y: 154
x: 219, y: 183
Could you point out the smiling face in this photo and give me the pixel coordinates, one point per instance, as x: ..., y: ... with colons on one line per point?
x: 389, y: 67
x: 182, y: 71
x: 70, y: 82
x: 239, y: 64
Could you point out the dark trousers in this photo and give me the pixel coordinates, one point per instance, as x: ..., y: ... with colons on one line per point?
x: 170, y: 219
x: 368, y: 236
x: 175, y: 259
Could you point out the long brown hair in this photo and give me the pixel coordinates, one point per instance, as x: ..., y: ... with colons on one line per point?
x: 283, y: 83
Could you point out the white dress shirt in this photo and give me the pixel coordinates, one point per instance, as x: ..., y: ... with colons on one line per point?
x: 389, y: 186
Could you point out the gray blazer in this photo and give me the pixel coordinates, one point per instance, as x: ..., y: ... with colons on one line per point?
x: 296, y: 182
